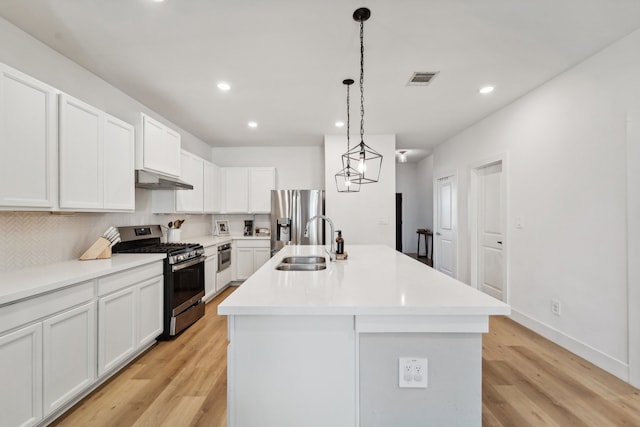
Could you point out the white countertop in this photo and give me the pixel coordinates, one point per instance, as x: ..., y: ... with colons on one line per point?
x: 29, y: 282
x: 374, y: 280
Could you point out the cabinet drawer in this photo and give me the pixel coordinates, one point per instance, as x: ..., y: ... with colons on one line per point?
x: 30, y: 310
x: 211, y: 251
x: 128, y: 278
x: 250, y: 243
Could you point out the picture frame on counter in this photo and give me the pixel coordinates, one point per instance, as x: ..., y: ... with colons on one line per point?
x: 222, y: 227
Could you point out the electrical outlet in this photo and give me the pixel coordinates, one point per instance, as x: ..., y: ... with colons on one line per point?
x: 555, y: 307
x: 412, y: 372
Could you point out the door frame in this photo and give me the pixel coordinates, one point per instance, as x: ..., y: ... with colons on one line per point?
x: 454, y: 218
x: 474, y: 212
x: 399, y: 224
x: 633, y: 245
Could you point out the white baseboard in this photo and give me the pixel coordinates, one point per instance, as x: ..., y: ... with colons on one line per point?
x: 601, y: 360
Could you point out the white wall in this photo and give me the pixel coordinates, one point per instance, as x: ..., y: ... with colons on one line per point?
x: 407, y: 183
x: 565, y: 145
x: 299, y: 168
x: 24, y: 53
x: 42, y: 238
x: 366, y: 217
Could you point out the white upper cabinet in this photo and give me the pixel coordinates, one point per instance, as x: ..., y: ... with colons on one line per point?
x: 261, y: 182
x: 211, y: 188
x: 119, y: 174
x: 247, y: 190
x: 96, y: 159
x: 28, y: 140
x: 235, y: 193
x: 81, y: 168
x: 195, y: 171
x: 192, y: 172
x: 205, y: 196
x: 157, y: 147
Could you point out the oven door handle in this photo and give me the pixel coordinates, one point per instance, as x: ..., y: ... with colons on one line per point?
x: 187, y: 264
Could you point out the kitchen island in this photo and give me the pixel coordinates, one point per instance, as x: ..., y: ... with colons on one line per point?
x: 322, y: 348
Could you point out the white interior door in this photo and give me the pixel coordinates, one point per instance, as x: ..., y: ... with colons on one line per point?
x: 491, y: 219
x: 445, y: 236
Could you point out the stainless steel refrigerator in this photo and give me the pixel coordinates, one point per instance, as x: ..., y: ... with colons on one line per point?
x: 290, y: 211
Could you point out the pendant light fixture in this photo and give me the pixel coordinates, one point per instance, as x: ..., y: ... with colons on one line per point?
x: 348, y: 179
x: 367, y: 161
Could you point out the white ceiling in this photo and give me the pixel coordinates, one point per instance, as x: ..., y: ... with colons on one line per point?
x: 286, y: 59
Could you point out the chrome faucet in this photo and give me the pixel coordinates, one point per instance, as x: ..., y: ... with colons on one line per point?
x: 331, y: 252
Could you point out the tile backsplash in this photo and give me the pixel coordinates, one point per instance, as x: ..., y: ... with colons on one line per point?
x: 37, y: 238
x: 40, y: 238
x: 236, y: 222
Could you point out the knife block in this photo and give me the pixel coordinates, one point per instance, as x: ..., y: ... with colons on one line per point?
x: 101, y: 249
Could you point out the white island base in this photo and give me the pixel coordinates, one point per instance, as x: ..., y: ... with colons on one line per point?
x: 323, y: 348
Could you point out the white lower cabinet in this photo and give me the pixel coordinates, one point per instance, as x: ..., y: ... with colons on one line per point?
x: 250, y: 255
x: 210, y: 272
x: 48, y: 343
x: 260, y: 256
x: 47, y: 353
x: 69, y: 354
x: 128, y: 319
x: 117, y: 334
x: 150, y: 303
x: 21, y: 373
x: 244, y: 263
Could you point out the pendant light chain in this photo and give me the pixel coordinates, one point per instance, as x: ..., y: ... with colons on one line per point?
x: 361, y: 80
x: 348, y: 122
x: 368, y: 160
x: 348, y: 179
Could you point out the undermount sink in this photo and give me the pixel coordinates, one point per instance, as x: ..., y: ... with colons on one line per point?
x: 301, y: 267
x: 304, y: 260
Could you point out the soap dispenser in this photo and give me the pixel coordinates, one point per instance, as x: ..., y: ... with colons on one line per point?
x: 339, y: 243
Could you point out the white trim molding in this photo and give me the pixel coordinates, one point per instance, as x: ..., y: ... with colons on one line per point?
x: 601, y: 360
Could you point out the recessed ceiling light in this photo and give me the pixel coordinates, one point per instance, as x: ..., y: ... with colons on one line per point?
x: 224, y: 86
x: 339, y: 124
x: 487, y: 89
x: 157, y: 1
x: 403, y: 156
x: 252, y: 124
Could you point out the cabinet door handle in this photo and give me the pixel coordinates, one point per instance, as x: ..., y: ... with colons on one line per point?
x: 499, y: 242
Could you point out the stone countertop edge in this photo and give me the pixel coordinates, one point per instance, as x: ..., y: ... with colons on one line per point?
x: 207, y: 241
x: 374, y: 280
x: 32, y: 281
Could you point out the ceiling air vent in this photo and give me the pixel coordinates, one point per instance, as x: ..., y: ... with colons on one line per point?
x: 421, y: 78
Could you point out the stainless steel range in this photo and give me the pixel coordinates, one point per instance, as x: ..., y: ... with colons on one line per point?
x: 183, y: 274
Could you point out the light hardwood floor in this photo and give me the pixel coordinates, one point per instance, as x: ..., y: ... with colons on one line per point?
x: 527, y: 381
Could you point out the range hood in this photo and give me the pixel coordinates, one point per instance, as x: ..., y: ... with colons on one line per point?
x: 153, y: 181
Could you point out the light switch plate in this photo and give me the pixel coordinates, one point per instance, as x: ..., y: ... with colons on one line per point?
x: 412, y: 372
